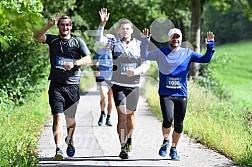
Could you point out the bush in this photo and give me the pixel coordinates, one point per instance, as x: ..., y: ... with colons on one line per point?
x: 208, y: 78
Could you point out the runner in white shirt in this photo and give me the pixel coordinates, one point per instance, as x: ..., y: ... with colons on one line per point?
x: 127, y: 67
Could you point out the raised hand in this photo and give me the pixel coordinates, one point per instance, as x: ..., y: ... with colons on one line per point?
x: 53, y: 21
x: 210, y: 37
x: 145, y: 33
x: 104, y: 15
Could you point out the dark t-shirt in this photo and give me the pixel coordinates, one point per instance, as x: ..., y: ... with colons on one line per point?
x: 65, y: 51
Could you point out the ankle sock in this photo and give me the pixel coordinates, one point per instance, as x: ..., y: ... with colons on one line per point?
x: 165, y: 141
x: 129, y: 141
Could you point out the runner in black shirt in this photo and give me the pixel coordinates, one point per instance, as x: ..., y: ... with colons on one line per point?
x: 67, y: 54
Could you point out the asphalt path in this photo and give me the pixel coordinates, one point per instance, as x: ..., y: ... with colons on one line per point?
x: 98, y: 146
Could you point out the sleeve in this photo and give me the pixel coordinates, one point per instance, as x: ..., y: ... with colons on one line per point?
x: 102, y: 40
x: 152, y: 55
x: 49, y: 38
x: 199, y: 58
x: 84, y: 51
x: 143, y: 68
x: 95, y: 58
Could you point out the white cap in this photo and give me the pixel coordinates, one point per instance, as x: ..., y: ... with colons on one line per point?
x: 110, y: 36
x: 174, y: 31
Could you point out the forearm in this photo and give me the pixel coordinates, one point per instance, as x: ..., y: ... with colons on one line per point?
x: 143, y: 68
x: 199, y: 58
x: 40, y: 34
x: 102, y: 23
x: 99, y: 34
x: 95, y: 65
x: 84, y: 61
x: 144, y: 48
x: 209, y: 53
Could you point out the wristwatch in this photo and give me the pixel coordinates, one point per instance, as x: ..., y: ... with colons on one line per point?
x: 75, y: 63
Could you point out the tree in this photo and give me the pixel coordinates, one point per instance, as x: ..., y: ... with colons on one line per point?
x: 235, y: 26
x: 196, y: 8
x: 196, y: 15
x: 16, y: 17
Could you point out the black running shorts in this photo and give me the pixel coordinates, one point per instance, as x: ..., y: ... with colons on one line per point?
x: 63, y: 98
x: 126, y: 96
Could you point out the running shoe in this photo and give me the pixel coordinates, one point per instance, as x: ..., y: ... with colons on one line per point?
x: 174, y: 154
x: 70, y: 147
x: 124, y: 154
x: 100, y: 122
x: 163, y: 149
x: 128, y: 147
x: 59, y: 155
x: 108, y: 122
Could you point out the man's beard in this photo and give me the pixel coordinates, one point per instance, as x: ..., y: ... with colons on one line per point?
x: 174, y: 45
x: 63, y: 35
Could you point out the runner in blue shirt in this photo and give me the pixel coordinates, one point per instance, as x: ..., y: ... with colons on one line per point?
x: 103, y: 67
x: 173, y: 64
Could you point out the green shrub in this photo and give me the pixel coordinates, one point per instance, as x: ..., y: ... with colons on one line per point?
x: 209, y: 80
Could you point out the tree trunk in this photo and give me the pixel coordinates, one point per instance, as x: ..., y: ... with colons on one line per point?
x: 195, y: 35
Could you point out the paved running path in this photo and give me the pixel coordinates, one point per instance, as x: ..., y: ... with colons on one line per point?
x: 99, y: 146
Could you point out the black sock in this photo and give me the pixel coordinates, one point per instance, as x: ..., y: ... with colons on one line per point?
x: 165, y: 141
x: 58, y: 148
x: 108, y: 116
x: 102, y: 112
x: 129, y: 141
x: 173, y: 148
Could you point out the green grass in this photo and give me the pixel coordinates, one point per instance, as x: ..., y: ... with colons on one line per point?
x: 19, y: 131
x: 237, y: 72
x: 219, y: 124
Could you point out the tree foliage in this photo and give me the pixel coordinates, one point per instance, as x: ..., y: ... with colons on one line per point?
x: 228, y: 25
x: 22, y: 62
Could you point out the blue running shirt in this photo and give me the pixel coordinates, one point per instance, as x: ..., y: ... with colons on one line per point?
x: 174, y: 66
x: 105, y: 67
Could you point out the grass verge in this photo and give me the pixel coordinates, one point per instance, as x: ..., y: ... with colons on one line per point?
x: 19, y: 131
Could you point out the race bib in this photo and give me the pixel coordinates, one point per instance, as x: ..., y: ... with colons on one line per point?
x: 129, y: 66
x: 60, y: 61
x: 107, y: 63
x: 173, y: 83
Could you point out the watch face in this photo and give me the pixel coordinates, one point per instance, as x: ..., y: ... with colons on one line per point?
x: 75, y: 63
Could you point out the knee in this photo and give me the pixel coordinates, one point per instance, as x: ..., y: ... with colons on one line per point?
x: 130, y: 119
x: 58, y: 117
x: 178, y: 127
x: 104, y: 98
x: 167, y: 124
